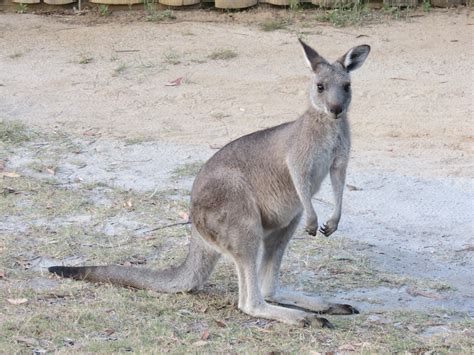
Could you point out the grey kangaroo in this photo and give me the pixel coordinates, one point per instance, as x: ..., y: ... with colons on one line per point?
x: 248, y: 199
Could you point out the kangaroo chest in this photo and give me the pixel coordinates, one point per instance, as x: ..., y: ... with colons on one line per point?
x: 325, y: 150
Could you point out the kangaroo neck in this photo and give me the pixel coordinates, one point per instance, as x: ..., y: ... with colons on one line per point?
x: 318, y: 121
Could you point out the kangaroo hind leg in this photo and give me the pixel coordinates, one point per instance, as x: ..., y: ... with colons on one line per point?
x: 269, y: 273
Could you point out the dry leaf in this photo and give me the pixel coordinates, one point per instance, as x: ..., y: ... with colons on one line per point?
x: 109, y: 331
x: 199, y: 343
x: 184, y: 216
x: 51, y: 171
x: 175, y: 82
x: 353, y: 188
x: 16, y: 301
x: 221, y: 324
x: 2, y: 274
x: 205, y: 334
x: 10, y: 175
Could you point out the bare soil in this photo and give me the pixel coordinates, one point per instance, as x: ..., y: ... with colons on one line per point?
x: 110, y: 151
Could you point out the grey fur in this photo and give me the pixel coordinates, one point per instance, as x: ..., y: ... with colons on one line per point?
x: 247, y: 200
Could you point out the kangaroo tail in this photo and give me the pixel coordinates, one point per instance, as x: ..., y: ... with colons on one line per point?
x: 188, y: 276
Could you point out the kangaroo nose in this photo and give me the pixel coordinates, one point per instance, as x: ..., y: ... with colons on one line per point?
x: 336, y: 109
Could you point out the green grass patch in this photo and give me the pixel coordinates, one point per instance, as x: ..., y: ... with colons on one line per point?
x: 187, y: 170
x: 223, y: 54
x: 274, y: 25
x: 14, y: 132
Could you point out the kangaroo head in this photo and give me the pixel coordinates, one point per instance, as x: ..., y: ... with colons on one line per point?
x: 331, y: 84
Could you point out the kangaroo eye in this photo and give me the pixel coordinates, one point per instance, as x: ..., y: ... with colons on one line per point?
x: 320, y: 88
x: 347, y: 87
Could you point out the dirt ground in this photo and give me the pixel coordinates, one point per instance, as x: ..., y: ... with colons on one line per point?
x: 98, y: 150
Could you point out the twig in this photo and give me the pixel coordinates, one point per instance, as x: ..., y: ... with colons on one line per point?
x: 401, y: 79
x: 167, y: 226
x: 126, y: 50
x: 135, y: 161
x: 153, y: 194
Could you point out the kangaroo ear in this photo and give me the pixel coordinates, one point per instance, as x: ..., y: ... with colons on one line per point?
x: 355, y: 57
x: 312, y: 57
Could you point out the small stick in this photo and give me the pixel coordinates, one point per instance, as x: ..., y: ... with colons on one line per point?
x: 126, y: 50
x: 167, y: 226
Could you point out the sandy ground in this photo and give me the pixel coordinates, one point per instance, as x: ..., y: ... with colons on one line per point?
x: 412, y: 160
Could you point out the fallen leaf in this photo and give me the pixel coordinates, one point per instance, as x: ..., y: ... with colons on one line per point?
x: 16, y: 301
x: 353, y: 188
x: 175, y: 82
x: 9, y: 174
x: 199, y: 343
x: 2, y: 274
x: 221, y: 324
x: 205, y: 334
x: 109, y: 331
x: 183, y: 216
x: 51, y: 171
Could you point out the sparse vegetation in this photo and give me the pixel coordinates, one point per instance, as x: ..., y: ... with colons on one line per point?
x: 347, y: 14
x: 223, y: 54
x: 274, y: 25
x: 426, y: 5
x: 14, y: 132
x: 172, y: 57
x: 187, y: 170
x: 294, y: 5
x: 154, y: 15
x: 104, y: 10
x: 21, y: 8
x: 85, y: 59
x: 122, y: 67
x: 15, y: 55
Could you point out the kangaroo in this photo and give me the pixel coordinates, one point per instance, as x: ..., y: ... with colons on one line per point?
x: 247, y: 201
